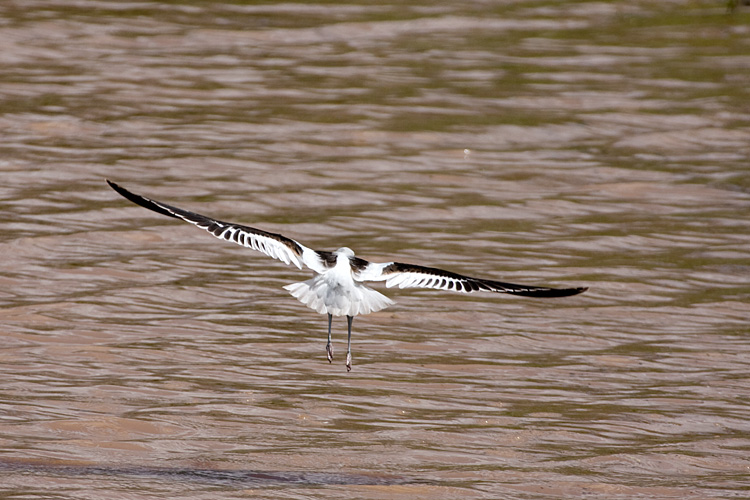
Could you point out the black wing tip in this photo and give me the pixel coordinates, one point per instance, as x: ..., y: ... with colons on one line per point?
x: 121, y: 190
x: 115, y: 186
x: 140, y: 200
x: 551, y: 292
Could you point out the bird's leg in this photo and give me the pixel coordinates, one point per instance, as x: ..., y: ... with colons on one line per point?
x: 349, y: 320
x: 329, y: 346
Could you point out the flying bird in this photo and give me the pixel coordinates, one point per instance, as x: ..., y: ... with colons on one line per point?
x: 338, y: 287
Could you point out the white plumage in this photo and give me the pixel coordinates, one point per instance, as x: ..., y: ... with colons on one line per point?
x: 337, y: 288
x: 336, y: 292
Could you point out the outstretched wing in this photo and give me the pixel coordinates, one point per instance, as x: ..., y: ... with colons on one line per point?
x: 272, y: 244
x: 409, y: 275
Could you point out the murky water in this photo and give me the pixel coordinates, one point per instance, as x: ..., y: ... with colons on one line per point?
x: 550, y: 143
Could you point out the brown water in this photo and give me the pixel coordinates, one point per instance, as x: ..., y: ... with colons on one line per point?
x: 551, y: 143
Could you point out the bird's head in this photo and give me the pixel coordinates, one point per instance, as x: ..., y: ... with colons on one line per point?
x: 348, y: 252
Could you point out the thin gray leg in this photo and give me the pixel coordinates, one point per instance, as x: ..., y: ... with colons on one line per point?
x: 329, y: 346
x: 349, y: 320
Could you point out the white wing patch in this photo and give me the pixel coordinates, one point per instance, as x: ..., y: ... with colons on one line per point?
x: 411, y: 276
x: 408, y: 280
x: 267, y: 243
x: 259, y: 242
x: 422, y: 279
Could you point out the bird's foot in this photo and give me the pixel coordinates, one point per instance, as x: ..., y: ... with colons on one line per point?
x: 348, y: 361
x: 329, y: 352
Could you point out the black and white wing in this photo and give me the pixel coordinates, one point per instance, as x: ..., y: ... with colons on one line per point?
x: 272, y: 244
x: 410, y: 275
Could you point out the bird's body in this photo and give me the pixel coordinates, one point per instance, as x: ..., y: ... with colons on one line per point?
x: 337, y: 289
x: 337, y: 292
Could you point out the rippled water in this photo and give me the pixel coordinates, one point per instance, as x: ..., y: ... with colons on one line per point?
x: 549, y: 143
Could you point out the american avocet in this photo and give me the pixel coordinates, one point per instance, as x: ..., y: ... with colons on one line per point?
x: 337, y: 288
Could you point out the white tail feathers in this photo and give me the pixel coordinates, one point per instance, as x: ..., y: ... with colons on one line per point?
x: 326, y: 298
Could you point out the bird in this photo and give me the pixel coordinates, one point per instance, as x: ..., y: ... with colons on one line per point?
x: 337, y: 288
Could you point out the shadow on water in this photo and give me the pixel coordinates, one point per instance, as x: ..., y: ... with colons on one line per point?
x: 235, y: 478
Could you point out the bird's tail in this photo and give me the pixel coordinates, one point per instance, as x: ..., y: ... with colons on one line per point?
x: 319, y: 296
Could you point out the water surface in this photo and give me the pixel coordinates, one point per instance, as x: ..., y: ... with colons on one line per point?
x: 548, y: 143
